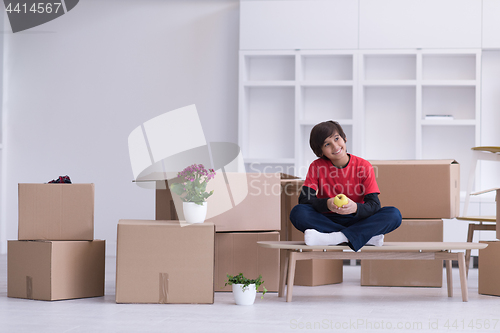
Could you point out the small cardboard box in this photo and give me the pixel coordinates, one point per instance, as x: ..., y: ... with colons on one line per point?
x: 420, y: 189
x: 407, y: 273
x: 56, y: 212
x: 489, y: 268
x: 238, y: 252
x: 241, y: 202
x: 316, y: 272
x: 55, y: 270
x: 164, y: 262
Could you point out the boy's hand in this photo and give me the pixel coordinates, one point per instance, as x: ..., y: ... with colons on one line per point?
x: 350, y: 208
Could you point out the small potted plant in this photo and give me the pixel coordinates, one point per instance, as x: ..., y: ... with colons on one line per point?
x: 192, y: 189
x: 244, y: 290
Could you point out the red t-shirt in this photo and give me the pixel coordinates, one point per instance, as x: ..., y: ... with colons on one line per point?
x: 355, y: 180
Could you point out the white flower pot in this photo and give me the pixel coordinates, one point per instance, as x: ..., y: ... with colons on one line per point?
x: 244, y: 296
x: 194, y: 213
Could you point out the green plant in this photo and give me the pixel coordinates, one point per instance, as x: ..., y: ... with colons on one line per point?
x: 240, y: 279
x: 193, y: 185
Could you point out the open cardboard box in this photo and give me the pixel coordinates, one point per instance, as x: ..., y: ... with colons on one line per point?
x: 241, y: 202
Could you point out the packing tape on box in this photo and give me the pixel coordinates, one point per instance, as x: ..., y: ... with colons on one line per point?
x: 166, y: 144
x: 163, y: 299
x: 29, y: 287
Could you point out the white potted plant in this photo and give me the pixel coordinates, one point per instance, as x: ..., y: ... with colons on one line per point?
x: 245, y: 290
x: 192, y: 189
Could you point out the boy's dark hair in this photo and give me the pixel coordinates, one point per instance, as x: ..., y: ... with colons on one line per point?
x: 320, y: 132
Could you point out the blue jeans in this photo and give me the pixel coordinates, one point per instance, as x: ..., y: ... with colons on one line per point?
x: 358, y: 231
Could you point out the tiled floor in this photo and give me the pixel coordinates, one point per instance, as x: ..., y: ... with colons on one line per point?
x: 345, y: 307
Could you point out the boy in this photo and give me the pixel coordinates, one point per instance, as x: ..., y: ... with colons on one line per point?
x: 361, y: 221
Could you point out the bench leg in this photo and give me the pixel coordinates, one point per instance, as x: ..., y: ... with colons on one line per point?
x: 449, y: 278
x: 283, y: 275
x: 463, y: 276
x: 470, y: 235
x: 291, y: 275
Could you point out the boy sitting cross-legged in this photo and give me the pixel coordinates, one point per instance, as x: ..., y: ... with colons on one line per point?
x: 361, y: 221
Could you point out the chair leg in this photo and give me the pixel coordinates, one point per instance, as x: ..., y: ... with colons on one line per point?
x: 470, y: 236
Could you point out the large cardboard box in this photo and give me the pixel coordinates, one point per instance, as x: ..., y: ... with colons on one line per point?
x: 241, y: 202
x: 238, y: 252
x: 489, y: 268
x: 420, y: 189
x: 407, y: 273
x: 56, y: 212
x: 55, y: 270
x: 164, y: 262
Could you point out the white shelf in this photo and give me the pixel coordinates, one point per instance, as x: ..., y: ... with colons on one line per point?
x: 449, y: 122
x: 312, y: 122
x: 389, y: 83
x: 451, y: 83
x: 269, y: 83
x: 347, y: 83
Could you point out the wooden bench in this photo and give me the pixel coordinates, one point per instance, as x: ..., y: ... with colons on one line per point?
x: 297, y: 250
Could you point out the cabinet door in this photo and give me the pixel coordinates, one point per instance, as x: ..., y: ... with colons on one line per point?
x: 491, y: 24
x: 420, y: 24
x: 311, y: 24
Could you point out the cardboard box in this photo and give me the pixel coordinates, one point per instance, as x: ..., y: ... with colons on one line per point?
x: 164, y: 262
x: 420, y: 189
x: 290, y: 191
x: 238, y: 252
x: 497, y: 199
x: 316, y: 272
x: 489, y: 268
x: 56, y: 212
x: 55, y: 270
x: 233, y: 205
x: 407, y: 273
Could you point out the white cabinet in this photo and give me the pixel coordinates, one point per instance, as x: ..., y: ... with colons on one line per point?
x: 392, y: 104
x: 397, y: 24
x: 300, y: 24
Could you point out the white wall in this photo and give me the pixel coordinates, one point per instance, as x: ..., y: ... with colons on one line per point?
x: 74, y: 88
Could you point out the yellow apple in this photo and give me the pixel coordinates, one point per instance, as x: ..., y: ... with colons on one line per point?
x: 340, y: 200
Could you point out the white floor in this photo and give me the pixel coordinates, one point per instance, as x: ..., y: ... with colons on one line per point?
x: 346, y: 307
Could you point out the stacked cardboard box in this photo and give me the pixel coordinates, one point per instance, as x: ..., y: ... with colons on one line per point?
x: 240, y: 225
x: 489, y: 259
x: 425, y: 191
x: 56, y: 256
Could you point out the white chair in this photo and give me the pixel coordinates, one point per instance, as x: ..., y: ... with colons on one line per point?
x: 480, y: 222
